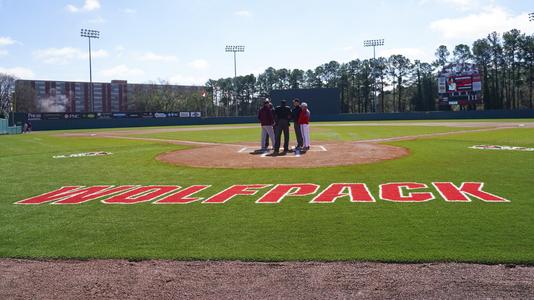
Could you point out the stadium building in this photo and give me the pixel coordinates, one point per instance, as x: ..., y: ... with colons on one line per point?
x: 75, y: 97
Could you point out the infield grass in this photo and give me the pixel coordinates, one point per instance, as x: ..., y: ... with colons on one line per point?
x: 319, y: 133
x: 293, y: 230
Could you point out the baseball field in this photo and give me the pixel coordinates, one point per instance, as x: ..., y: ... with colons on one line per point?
x: 392, y: 212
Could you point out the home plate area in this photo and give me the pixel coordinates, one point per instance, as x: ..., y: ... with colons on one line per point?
x: 293, y: 153
x: 247, y: 156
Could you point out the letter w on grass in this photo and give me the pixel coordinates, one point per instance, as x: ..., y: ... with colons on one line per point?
x: 76, y: 194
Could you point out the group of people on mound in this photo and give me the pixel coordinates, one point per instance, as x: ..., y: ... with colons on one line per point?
x: 275, y: 121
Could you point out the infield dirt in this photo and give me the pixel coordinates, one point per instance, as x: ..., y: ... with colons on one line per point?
x: 122, y: 279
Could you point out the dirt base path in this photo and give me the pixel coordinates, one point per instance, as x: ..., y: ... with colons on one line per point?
x: 120, y: 279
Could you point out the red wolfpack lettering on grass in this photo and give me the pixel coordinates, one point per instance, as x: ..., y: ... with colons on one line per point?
x: 394, y: 192
x: 141, y: 194
x: 76, y: 194
x: 182, y: 197
x: 358, y: 192
x: 280, y: 191
x: 451, y: 193
x: 235, y: 190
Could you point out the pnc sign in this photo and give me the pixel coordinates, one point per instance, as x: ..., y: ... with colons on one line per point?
x: 401, y: 192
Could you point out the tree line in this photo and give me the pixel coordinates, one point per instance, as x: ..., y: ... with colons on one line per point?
x: 395, y: 83
x: 392, y: 84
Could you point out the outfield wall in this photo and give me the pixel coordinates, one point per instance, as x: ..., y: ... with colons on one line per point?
x: 64, y: 124
x: 3, y: 126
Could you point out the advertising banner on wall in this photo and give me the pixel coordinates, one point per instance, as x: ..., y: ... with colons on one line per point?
x: 115, y: 115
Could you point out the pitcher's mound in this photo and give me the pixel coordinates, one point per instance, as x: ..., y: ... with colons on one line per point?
x: 249, y: 157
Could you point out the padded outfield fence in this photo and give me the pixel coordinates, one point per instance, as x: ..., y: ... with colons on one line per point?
x: 64, y: 124
x: 6, y: 129
x: 3, y: 126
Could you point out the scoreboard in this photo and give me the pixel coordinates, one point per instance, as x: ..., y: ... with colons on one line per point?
x: 459, y: 84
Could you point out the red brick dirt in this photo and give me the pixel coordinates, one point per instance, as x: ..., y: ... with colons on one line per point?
x: 158, y: 279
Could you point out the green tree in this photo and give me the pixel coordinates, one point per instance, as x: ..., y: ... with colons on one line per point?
x: 462, y: 54
x: 399, y: 68
x: 442, y: 56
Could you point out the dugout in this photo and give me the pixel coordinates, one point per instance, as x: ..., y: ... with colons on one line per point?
x: 321, y: 101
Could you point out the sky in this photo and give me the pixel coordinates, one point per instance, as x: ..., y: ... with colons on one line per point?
x: 183, y: 42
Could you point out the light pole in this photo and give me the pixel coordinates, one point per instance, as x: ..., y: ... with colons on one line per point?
x: 374, y: 44
x: 235, y: 49
x: 90, y: 34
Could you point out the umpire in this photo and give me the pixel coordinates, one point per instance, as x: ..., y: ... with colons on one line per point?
x: 282, y: 114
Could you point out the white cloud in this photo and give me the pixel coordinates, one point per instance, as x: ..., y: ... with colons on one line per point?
x: 119, y: 49
x: 88, y: 5
x: 3, y: 52
x: 91, y: 4
x: 72, y: 8
x: 199, y: 64
x: 478, y: 25
x: 18, y: 72
x: 122, y: 72
x: 462, y: 5
x: 243, y: 13
x: 151, y: 56
x: 411, y: 53
x: 6, y: 41
x: 129, y: 11
x: 187, y: 80
x: 65, y: 55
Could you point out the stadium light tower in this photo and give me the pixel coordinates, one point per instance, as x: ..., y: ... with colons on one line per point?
x: 531, y: 17
x: 374, y: 44
x: 90, y: 34
x: 235, y: 49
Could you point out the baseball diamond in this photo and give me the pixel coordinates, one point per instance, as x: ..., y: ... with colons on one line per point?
x: 266, y: 149
x: 410, y: 192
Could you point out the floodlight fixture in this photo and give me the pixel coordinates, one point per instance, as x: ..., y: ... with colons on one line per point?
x: 232, y: 48
x: 531, y: 17
x: 93, y: 34
x: 373, y: 43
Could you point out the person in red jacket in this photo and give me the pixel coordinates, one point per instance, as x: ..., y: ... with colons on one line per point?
x: 304, y: 122
x: 266, y: 118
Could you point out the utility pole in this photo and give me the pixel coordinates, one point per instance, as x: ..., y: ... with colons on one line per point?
x: 235, y: 49
x: 374, y: 44
x: 90, y: 34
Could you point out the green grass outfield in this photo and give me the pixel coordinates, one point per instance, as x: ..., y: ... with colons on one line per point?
x: 292, y: 230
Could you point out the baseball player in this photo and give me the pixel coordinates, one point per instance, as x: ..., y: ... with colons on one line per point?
x: 304, y: 122
x: 266, y: 118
